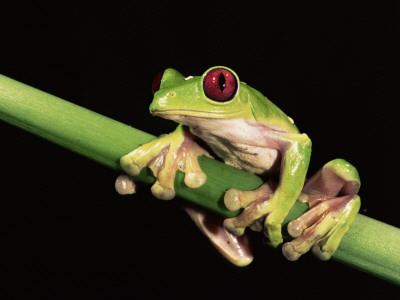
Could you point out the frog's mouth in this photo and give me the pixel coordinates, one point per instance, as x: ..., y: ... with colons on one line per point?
x: 179, y: 114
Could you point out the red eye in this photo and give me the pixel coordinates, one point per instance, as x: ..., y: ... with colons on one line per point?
x: 156, y: 82
x: 220, y: 85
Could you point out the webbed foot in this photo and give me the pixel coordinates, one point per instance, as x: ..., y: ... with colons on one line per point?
x: 235, y: 249
x: 332, y: 196
x: 164, y: 156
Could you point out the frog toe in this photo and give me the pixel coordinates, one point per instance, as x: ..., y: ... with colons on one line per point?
x: 231, y: 226
x: 194, y: 176
x: 195, y: 179
x: 129, y: 166
x: 235, y: 199
x: 162, y: 192
x: 124, y: 185
x: 232, y: 199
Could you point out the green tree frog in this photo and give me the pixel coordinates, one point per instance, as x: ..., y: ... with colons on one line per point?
x: 247, y: 131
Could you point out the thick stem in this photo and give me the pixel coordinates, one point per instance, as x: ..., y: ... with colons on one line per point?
x: 369, y: 245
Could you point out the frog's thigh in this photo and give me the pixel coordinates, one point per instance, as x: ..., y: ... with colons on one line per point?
x: 332, y: 196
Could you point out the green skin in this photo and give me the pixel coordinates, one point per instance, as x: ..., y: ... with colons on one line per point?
x: 251, y: 133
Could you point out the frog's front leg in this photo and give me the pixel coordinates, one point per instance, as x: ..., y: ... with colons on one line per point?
x: 332, y: 196
x: 261, y: 204
x: 164, y: 156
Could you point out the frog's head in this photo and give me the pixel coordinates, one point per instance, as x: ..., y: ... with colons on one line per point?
x: 218, y: 93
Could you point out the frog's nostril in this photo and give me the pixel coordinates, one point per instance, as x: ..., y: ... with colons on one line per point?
x: 157, y: 82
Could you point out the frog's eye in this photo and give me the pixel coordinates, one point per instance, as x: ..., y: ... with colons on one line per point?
x: 220, y: 85
x: 157, y: 82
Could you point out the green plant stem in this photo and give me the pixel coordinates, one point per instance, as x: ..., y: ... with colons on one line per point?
x: 369, y: 245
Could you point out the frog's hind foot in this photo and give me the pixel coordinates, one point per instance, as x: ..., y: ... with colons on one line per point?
x: 164, y: 156
x: 332, y: 196
x: 321, y: 228
x: 235, y: 249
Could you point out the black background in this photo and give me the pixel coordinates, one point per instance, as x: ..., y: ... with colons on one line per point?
x: 67, y: 234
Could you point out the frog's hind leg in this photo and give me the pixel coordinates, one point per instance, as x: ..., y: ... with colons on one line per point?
x: 332, y: 197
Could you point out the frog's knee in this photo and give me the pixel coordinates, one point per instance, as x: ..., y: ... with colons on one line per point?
x: 343, y: 169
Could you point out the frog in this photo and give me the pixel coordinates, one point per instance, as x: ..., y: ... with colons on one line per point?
x: 244, y: 129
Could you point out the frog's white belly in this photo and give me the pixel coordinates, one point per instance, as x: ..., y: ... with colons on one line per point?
x: 250, y: 158
x: 238, y: 142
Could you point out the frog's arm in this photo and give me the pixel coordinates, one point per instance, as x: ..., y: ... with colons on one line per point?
x: 164, y: 156
x: 295, y: 152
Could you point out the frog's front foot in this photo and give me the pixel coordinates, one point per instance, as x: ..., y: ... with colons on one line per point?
x: 259, y: 212
x: 332, y: 196
x: 164, y: 156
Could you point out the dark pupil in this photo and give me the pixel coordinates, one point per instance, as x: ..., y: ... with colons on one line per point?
x: 222, y: 82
